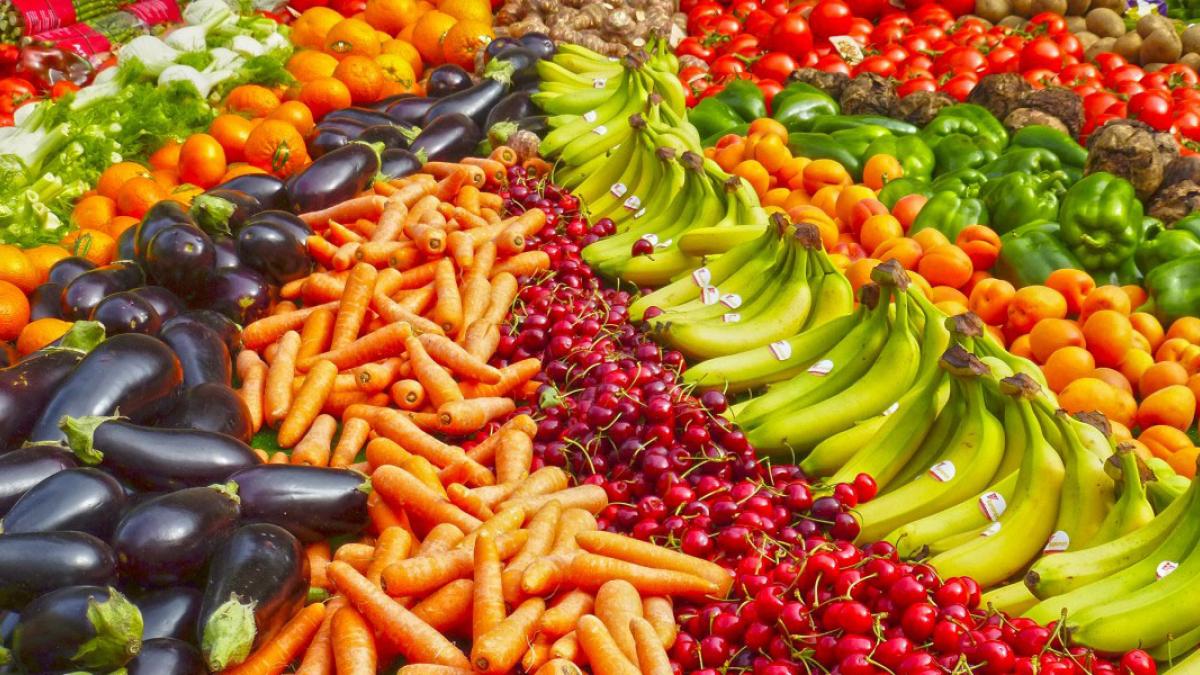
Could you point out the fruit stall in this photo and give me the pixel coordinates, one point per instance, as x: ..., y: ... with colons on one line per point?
x: 439, y: 337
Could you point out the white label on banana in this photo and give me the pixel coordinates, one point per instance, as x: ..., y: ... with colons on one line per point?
x: 633, y: 203
x: 731, y: 300
x: 599, y: 82
x: 891, y: 409
x: 589, y: 116
x: 639, y: 214
x: 990, y: 529
x: 1164, y: 568
x: 821, y: 368
x: 600, y: 130
x: 731, y: 317
x: 992, y: 504
x: 666, y: 243
x: 1059, y: 542
x: 702, y: 276
x: 618, y: 190
x: 709, y: 295
x: 943, y: 471
x: 781, y: 349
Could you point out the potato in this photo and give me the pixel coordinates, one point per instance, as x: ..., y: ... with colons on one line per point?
x: 1013, y: 21
x: 1192, y: 60
x: 1078, y: 7
x: 993, y: 10
x: 1147, y: 24
x: 1191, y: 39
x: 1128, y: 45
x: 1076, y: 24
x: 1102, y: 45
x: 1117, y: 6
x: 1162, y: 46
x: 1105, y: 23
x: 1152, y: 67
x: 1056, y: 6
x: 1023, y: 8
x: 1087, y: 39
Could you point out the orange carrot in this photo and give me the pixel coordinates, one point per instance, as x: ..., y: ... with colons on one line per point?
x: 546, y: 573
x: 425, y: 472
x: 558, y: 666
x: 490, y: 495
x: 394, y: 545
x: 318, y: 658
x: 307, y: 404
x: 485, y: 451
x: 318, y: 555
x: 266, y: 330
x: 481, y: 339
x: 472, y: 175
x: 462, y: 497
x: 368, y: 206
x: 494, y: 172
x: 537, y: 167
x: 393, y: 312
x: 461, y: 249
x: 591, y: 498
x: 274, y: 656
x: 448, y: 608
x: 356, y: 555
x: 376, y: 377
x: 501, y: 648
x: 408, y: 394
x: 541, y: 528
x: 353, y: 308
x: 429, y: 669
x: 649, y: 555
x: 475, y: 296
x: 315, y: 447
x: 544, y: 481
x: 537, y: 654
x: 566, y: 648
x: 339, y: 401
x: 604, y: 656
x: 283, y: 307
x: 321, y: 249
x: 488, y: 604
x: 277, y: 395
x: 504, y: 155
x: 589, y: 571
x: 394, y: 425
x: 524, y: 226
x: 448, y: 312
x: 279, y: 458
x: 383, y: 517
x: 512, y: 377
x: 442, y: 537
x: 400, y: 489
x: 468, y: 198
x: 458, y: 360
x: 514, y: 456
x: 413, y: 190
x: 389, y: 254
x: 391, y: 221
x: 449, y: 186
x: 414, y: 638
x: 384, y: 343
x: 504, y: 291
x: 323, y: 287
x: 439, y: 386
x: 562, y: 617
x: 253, y: 374
x: 382, y: 451
x: 425, y: 573
x: 652, y: 658
x: 353, y: 644
x: 659, y: 611
x: 524, y: 264
x: 469, y: 416
x: 617, y: 603
x: 314, y: 336
x: 342, y: 235
x: 346, y: 256
x: 262, y: 455
x: 291, y: 289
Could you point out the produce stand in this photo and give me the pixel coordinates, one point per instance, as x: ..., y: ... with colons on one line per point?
x: 767, y: 336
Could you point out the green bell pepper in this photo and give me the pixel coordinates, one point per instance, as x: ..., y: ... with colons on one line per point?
x: 1161, y: 245
x: 847, y: 146
x: 713, y: 117
x: 1030, y: 253
x: 948, y: 213
x: 798, y: 104
x: 1021, y: 198
x: 1191, y: 223
x: 1174, y: 289
x: 959, y: 151
x: 1101, y: 220
x: 1071, y: 155
x: 1023, y: 160
x: 740, y: 129
x: 916, y: 157
x: 966, y: 118
x: 894, y: 190
x: 832, y: 123
x: 745, y: 98
x: 962, y: 182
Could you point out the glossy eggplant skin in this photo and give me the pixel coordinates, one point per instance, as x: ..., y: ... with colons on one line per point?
x: 287, y: 221
x: 23, y: 469
x: 181, y: 257
x: 389, y: 134
x: 46, y: 301
x: 447, y: 79
x: 127, y: 244
x: 363, y: 117
x: 160, y: 216
x: 167, y: 540
x: 267, y: 189
x: 167, y: 304
x: 475, y: 101
x: 272, y: 250
x: 244, y: 206
x: 538, y: 43
x: 64, y: 271
x: 211, y: 406
x: 34, y: 563
x: 240, y: 294
x: 325, y: 142
x: 136, y: 374
x: 169, y: 612
x: 167, y: 656
x: 499, y: 44
x: 313, y: 503
x: 221, y: 324
x: 399, y: 163
x: 448, y: 138
x: 410, y: 111
x: 81, y: 500
x: 202, y: 354
x: 165, y: 459
x: 226, y: 249
x: 86, y: 291
x: 26, y: 388
x: 260, y: 568
x: 54, y: 627
x: 512, y: 107
x: 127, y: 312
x: 383, y: 103
x: 333, y: 178
x: 524, y: 63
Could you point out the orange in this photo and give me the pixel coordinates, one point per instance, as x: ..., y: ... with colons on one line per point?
x: 14, y: 311
x: 17, y: 269
x: 43, y: 258
x: 405, y: 49
x: 309, y: 64
x: 202, y: 160
x: 464, y: 40
x: 311, y: 27
x: 1187, y: 328
x: 231, y: 131
x: 251, y: 99
x: 166, y: 157
x: 362, y: 76
x: 184, y: 194
x: 239, y: 169
x: 277, y: 147
x: 168, y: 178
x: 94, y: 245
x: 467, y: 10
x: 324, y: 95
x: 395, y: 68
x: 428, y: 33
x: 39, y: 333
x: 352, y: 37
x: 115, y: 176
x: 137, y: 195
x: 93, y: 211
x: 119, y: 225
x: 296, y: 114
x: 1174, y: 406
x: 389, y: 16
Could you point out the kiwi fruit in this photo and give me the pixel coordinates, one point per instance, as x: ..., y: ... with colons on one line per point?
x: 1105, y: 23
x: 1161, y: 46
x: 1078, y: 7
x: 1128, y: 46
x: 1117, y: 6
x: 1076, y: 24
x: 1086, y: 39
x: 1013, y: 21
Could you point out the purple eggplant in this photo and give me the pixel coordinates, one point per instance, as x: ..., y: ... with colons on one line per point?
x: 399, y: 163
x: 390, y: 135
x: 127, y: 312
x: 222, y: 325
x: 325, y: 142
x: 202, y: 354
x: 167, y: 656
x: 21, y: 470
x: 227, y: 257
x: 499, y: 44
x: 346, y: 127
x: 136, y: 374
x: 410, y: 111
x: 287, y: 221
x: 46, y: 301
x: 86, y: 291
x: 265, y: 188
x: 169, y: 612
x: 523, y: 62
x: 162, y: 215
x: 272, y: 250
x: 333, y: 178
x: 223, y: 211
x: 167, y: 540
x: 181, y: 257
x: 313, y: 503
x: 55, y: 628
x: 211, y: 406
x: 26, y: 388
x: 127, y: 244
x: 512, y: 107
x: 64, y: 271
x: 157, y: 459
x: 257, y: 579
x: 82, y: 500
x: 167, y: 304
x: 538, y: 43
x: 33, y: 563
x: 447, y: 79
x: 448, y: 138
x: 241, y: 294
x: 478, y: 99
x: 357, y: 116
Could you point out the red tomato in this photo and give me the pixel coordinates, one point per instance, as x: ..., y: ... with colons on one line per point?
x: 1085, y: 90
x: 776, y: 8
x: 692, y: 46
x: 1154, y: 81
x: 774, y: 66
x: 915, y: 84
x: 15, y: 92
x: 1129, y: 88
x: 791, y: 35
x: 1188, y: 94
x: 832, y: 63
x: 1108, y: 61
x: 1053, y: 23
x: 726, y: 66
x: 894, y: 53
x: 958, y: 8
x: 860, y: 29
x: 758, y: 23
x: 960, y: 85
x: 920, y: 61
x: 830, y: 17
x: 701, y: 17
x: 1180, y: 74
x: 691, y: 74
x: 960, y: 60
x: 1187, y: 124
x: 1003, y: 59
x: 744, y: 45
x: 887, y: 32
x: 727, y: 24
x: 876, y: 64
x: 1080, y: 73
x: 1154, y: 108
x: 1069, y: 44
x: 742, y: 8
x: 868, y: 9
x: 1041, y: 52
x: 769, y: 88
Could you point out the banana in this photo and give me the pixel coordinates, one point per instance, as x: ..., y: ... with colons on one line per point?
x: 1132, y: 510
x: 657, y: 212
x: 904, y: 468
x: 567, y: 126
x: 580, y: 65
x: 666, y: 84
x: 657, y: 269
x: 753, y: 281
x: 594, y: 131
x: 571, y: 177
x: 640, y: 167
x: 1012, y: 599
x: 703, y: 241
x: 1087, y: 494
x: 833, y: 298
x: 1188, y: 666
x: 612, y: 171
x: 561, y: 70
x: 1176, y: 647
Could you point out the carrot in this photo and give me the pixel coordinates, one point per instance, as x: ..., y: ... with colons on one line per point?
x: 652, y: 658
x: 523, y: 227
x: 424, y: 472
x: 512, y: 377
x: 314, y: 336
x: 494, y: 172
x: 266, y: 330
x: 461, y: 249
x: 448, y: 312
x: 353, y: 308
x: 545, y: 480
x: 617, y: 603
x: 383, y: 517
x: 482, y: 339
x: 315, y: 447
x: 537, y: 167
x: 501, y: 648
x: 489, y: 495
x: 449, y: 186
x: 430, y: 237
x: 356, y: 555
x: 291, y: 289
x: 321, y: 249
x: 473, y: 175
x: 475, y: 296
x: 342, y: 235
x: 393, y: 312
x: 400, y: 489
x: 376, y: 377
x: 339, y: 401
x: 592, y: 498
x: 408, y: 394
x: 448, y: 608
x: 487, y: 610
x: 277, y: 395
x: 546, y: 573
x: 485, y: 259
x: 604, y: 656
x: 318, y: 555
x: 419, y: 213
x: 389, y: 254
x: 262, y: 455
x: 318, y: 658
x: 485, y: 451
x: 566, y: 648
x: 468, y: 198
x: 514, y: 456
x: 562, y: 617
x: 647, y: 554
x: 353, y: 644
x: 660, y: 613
x: 443, y: 350
x: 253, y: 374
x: 469, y: 416
x: 429, y: 669
x: 425, y: 573
x: 394, y: 545
x: 283, y: 307
x: 346, y: 256
x: 307, y: 404
x: 274, y: 656
x: 323, y: 287
x: 368, y: 206
x: 442, y: 537
x: 391, y: 221
x: 382, y: 451
x: 394, y: 425
x: 504, y: 291
x: 384, y: 343
x: 524, y: 264
x: 508, y: 520
x: 537, y: 654
x: 414, y: 638
x: 412, y: 192
x: 590, y: 571
x: 541, y: 528
x: 279, y: 458
x: 504, y: 155
x: 439, y: 386
x: 462, y: 497
x: 558, y: 666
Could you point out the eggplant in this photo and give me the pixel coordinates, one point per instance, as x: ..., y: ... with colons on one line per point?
x: 390, y: 135
x: 288, y: 221
x: 498, y: 45
x: 167, y: 304
x: 512, y: 107
x: 82, y: 500
x: 313, y: 503
x: 46, y: 301
x: 219, y: 323
x: 181, y: 257
x: 64, y: 271
x: 227, y: 257
x: 333, y: 178
x: 240, y: 293
x: 127, y: 244
x: 127, y: 312
x: 538, y: 43
x: 222, y: 212
x: 21, y: 470
x: 257, y: 580
x: 357, y: 116
x: 474, y: 101
x: 383, y: 103
x: 169, y: 612
x: 348, y: 128
x: 448, y: 138
x: 167, y: 656
x: 167, y: 540
x: 265, y: 188
x: 274, y: 251
x: 162, y: 215
x: 326, y: 142
x: 55, y: 627
x: 523, y: 62
x: 447, y: 79
x: 34, y: 563
x: 202, y: 354
x: 26, y: 388
x: 410, y: 111
x: 399, y: 163
x: 211, y: 406
x: 537, y: 124
x: 86, y: 291
x: 157, y: 459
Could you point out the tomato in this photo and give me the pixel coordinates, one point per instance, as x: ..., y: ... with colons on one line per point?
x: 876, y: 64
x: 915, y: 43
x: 1187, y: 124
x: 774, y: 66
x: 1129, y: 88
x: 15, y: 92
x: 1049, y: 22
x: 201, y: 161
x: 726, y: 24
x: 1080, y: 73
x: 832, y: 63
x: 776, y: 8
x: 915, y: 84
x: 1189, y: 94
x: 886, y: 32
x: 830, y: 17
x: 1003, y: 59
x: 62, y: 88
x: 1180, y: 74
x: 1040, y: 78
x: 960, y: 85
x: 1154, y: 108
x: 960, y: 60
x: 920, y: 62
x: 692, y: 46
x: 702, y: 16
x: 758, y: 23
x: 769, y: 88
x: 894, y: 53
x: 1069, y: 44
x: 726, y: 66
x: 691, y: 74
x: 1108, y: 61
x: 1154, y: 81
x: 791, y: 35
x: 933, y: 14
x: 868, y: 9
x: 1118, y: 109
x: 1041, y: 52
x: 957, y: 7
x: 860, y: 30
x: 742, y: 8
x: 744, y: 45
x: 1085, y: 90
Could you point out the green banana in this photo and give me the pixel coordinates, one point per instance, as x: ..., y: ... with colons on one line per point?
x: 567, y: 128
x: 1087, y: 494
x: 612, y: 171
x: 1132, y: 510
x: 1176, y: 647
x: 833, y: 297
x: 714, y: 240
x: 906, y: 468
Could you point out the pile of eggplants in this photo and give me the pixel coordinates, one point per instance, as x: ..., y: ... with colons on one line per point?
x: 454, y: 117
